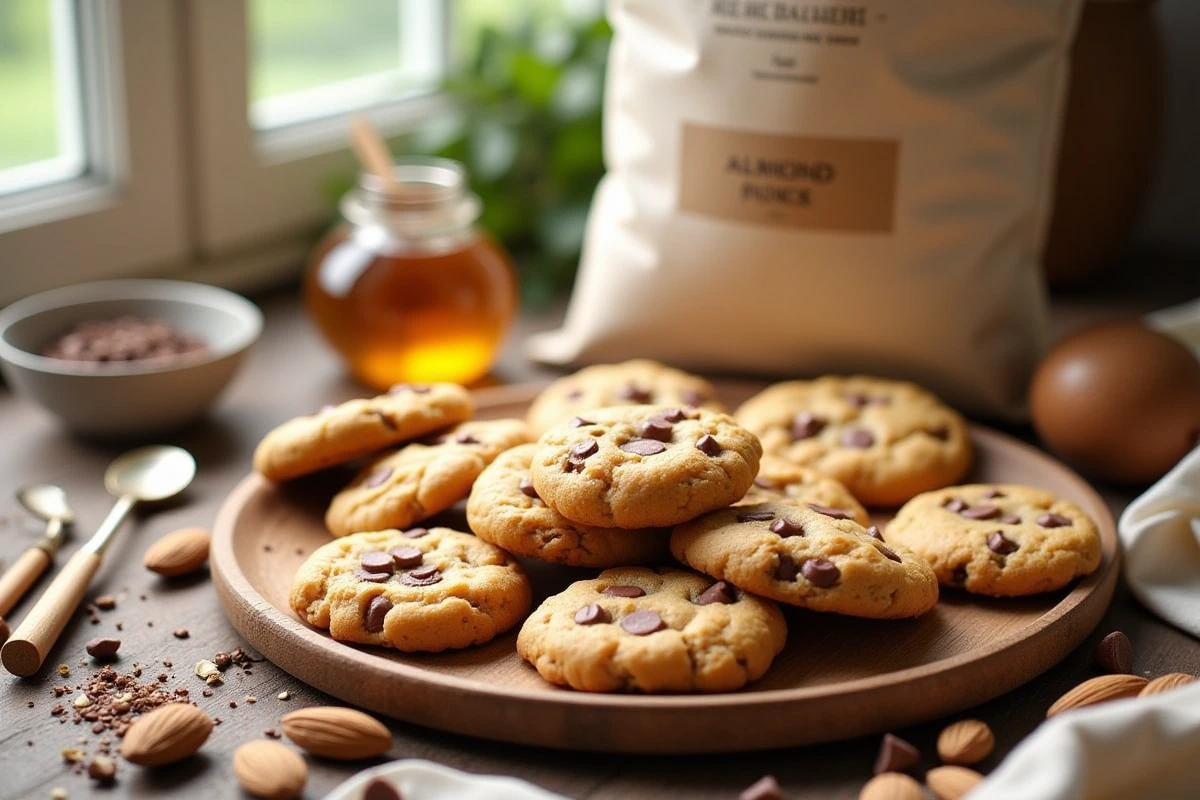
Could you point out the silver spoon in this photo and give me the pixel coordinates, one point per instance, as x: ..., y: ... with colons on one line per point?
x: 48, y: 502
x: 147, y: 474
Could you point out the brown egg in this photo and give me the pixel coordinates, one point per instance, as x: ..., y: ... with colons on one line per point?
x: 1120, y: 401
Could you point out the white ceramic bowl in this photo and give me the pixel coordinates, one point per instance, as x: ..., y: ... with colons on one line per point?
x: 132, y: 398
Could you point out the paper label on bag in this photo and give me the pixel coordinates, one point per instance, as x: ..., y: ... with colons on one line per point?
x: 796, y: 181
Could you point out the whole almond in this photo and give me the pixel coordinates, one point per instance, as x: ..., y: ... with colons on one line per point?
x: 1098, y: 690
x: 967, y: 741
x: 166, y: 734
x: 892, y: 786
x: 1165, y: 683
x: 951, y: 783
x: 178, y: 553
x: 335, y: 732
x: 270, y: 770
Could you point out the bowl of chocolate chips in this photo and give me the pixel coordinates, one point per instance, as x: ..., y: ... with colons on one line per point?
x: 126, y: 358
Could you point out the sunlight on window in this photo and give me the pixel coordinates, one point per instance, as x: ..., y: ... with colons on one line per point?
x: 41, y: 135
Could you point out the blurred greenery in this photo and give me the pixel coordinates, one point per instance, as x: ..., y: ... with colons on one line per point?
x: 527, y: 127
x: 28, y: 120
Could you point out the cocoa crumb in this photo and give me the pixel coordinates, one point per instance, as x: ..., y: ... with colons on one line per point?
x: 106, y: 602
x: 162, y: 677
x: 271, y: 733
x: 207, y: 693
x: 233, y: 704
x: 29, y: 704
x: 180, y: 633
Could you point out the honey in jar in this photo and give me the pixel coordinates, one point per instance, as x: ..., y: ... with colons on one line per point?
x: 407, y: 288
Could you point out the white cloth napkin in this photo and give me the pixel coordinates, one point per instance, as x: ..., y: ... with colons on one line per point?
x: 424, y: 780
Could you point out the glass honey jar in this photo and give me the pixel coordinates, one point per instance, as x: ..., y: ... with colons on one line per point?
x: 408, y: 288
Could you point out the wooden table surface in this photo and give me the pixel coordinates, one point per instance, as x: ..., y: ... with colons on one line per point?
x: 290, y: 372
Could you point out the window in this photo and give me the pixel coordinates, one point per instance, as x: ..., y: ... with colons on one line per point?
x: 41, y: 133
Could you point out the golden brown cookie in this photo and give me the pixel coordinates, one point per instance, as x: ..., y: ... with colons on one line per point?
x: 998, y: 539
x: 811, y: 557
x: 664, y: 630
x: 504, y: 509
x: 887, y: 441
x: 640, y: 381
x: 417, y: 590
x: 357, y: 428
x: 408, y: 485
x: 780, y: 480
x: 644, y: 466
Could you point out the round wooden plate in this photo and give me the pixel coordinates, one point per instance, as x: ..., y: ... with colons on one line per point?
x: 837, y: 677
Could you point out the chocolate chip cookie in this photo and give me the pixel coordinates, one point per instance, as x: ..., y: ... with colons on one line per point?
x: 809, y: 556
x: 644, y: 466
x: 640, y: 381
x: 417, y: 590
x: 337, y: 434
x: 407, y: 485
x: 887, y: 441
x: 784, y: 481
x: 1001, y: 540
x: 505, y: 509
x: 665, y: 630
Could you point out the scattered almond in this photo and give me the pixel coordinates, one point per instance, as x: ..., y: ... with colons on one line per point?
x: 165, y: 735
x: 951, y: 783
x: 178, y: 553
x: 270, y: 770
x: 335, y: 732
x: 967, y: 741
x: 1098, y: 690
x: 892, y: 786
x: 1165, y: 683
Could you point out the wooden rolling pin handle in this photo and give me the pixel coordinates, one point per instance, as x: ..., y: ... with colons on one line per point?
x: 20, y: 576
x: 31, y: 642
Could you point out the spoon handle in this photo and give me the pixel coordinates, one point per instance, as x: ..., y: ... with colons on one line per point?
x: 20, y: 576
x: 30, y: 643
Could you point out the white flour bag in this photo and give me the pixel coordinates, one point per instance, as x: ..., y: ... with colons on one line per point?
x: 801, y: 188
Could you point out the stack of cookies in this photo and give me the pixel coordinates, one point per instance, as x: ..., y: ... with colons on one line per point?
x: 637, y: 463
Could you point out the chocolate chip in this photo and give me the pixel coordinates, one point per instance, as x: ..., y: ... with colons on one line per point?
x: 857, y: 437
x: 1053, y: 521
x: 765, y: 788
x: 858, y: 399
x: 1114, y: 654
x: 755, y: 516
x: 820, y: 572
x: 637, y: 394
x: 584, y: 449
x: 765, y: 483
x: 959, y: 576
x: 719, y: 592
x: 406, y: 557
x: 372, y: 577
x: 709, y: 445
x: 888, y: 553
x: 954, y: 505
x: 591, y: 614
x: 377, y: 609
x: 619, y: 590
x: 785, y: 527
x: 994, y: 493
x: 1010, y: 519
x: 526, y: 487
x: 671, y: 415
x: 377, y: 477
x: 579, y: 422
x: 643, y: 447
x: 806, y: 425
x: 984, y: 511
x: 895, y: 755
x: 1000, y: 544
x: 642, y: 623
x: 939, y: 432
x: 787, y: 569
x: 376, y: 561
x: 836, y: 513
x: 658, y: 429
x: 379, y: 789
x: 423, y: 576
x: 466, y: 438
x: 874, y: 533
x: 103, y: 649
x: 693, y: 397
x: 415, y: 533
